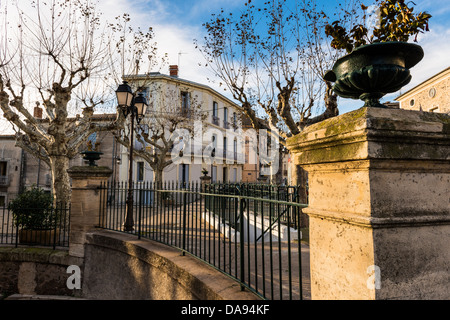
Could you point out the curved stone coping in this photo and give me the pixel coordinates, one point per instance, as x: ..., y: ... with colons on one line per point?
x: 202, y: 281
x: 38, y: 255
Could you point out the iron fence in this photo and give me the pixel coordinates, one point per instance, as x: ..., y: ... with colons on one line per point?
x: 248, y: 232
x: 55, y: 235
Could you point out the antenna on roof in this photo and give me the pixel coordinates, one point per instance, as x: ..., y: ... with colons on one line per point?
x: 179, y: 56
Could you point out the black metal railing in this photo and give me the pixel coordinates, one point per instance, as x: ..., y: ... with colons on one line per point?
x: 249, y: 232
x: 56, y: 234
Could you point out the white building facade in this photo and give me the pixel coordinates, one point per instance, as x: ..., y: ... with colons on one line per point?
x: 208, y: 131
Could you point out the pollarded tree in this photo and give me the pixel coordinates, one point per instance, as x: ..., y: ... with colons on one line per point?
x: 272, y: 58
x: 269, y: 58
x: 166, y: 131
x: 57, y: 55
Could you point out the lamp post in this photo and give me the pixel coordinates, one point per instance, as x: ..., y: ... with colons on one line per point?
x: 135, y: 107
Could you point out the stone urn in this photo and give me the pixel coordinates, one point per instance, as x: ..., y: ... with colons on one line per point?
x: 205, y: 179
x: 91, y: 156
x: 371, y: 71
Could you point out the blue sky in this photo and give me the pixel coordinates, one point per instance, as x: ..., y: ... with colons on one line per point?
x: 177, y: 22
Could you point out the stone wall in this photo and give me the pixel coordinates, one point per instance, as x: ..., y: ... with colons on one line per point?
x: 431, y: 95
x: 35, y: 271
x: 119, y: 266
x: 115, y: 267
x: 379, y: 194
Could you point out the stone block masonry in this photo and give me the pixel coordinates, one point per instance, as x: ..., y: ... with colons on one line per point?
x: 85, y: 208
x: 35, y: 271
x: 379, y: 204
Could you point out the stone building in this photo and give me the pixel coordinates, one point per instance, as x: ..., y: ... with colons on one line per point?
x: 220, y: 129
x: 11, y: 169
x: 20, y: 170
x: 432, y: 95
x: 252, y: 170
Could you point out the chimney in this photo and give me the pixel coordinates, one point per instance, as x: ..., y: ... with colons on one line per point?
x: 37, y: 113
x: 173, y: 69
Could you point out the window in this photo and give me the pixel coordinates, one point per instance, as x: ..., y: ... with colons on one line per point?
x: 185, y: 103
x: 235, y: 149
x: 92, y: 142
x: 432, y: 93
x: 140, y: 171
x: 2, y: 200
x: 215, y: 109
x: 146, y: 93
x: 215, y: 118
x: 235, y: 121
x: 214, y: 145
x: 3, y: 173
x: 225, y: 118
x: 3, y: 167
x: 140, y: 143
x: 411, y: 102
x: 224, y: 147
x: 183, y: 174
x: 224, y: 174
x: 235, y: 175
x: 214, y: 173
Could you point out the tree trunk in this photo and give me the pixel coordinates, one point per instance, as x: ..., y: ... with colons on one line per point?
x: 60, y: 180
x: 158, y: 175
x: 159, y: 185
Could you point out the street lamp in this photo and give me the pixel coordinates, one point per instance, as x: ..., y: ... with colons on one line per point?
x: 135, y: 107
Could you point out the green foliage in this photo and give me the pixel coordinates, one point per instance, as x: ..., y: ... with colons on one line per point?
x: 396, y: 22
x: 32, y: 209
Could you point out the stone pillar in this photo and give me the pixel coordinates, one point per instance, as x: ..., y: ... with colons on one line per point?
x: 379, y: 204
x: 204, y: 180
x: 85, y: 207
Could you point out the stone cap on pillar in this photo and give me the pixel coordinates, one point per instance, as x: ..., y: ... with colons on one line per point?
x: 374, y: 133
x: 380, y: 166
x: 82, y: 172
x: 378, y: 204
x: 88, y: 176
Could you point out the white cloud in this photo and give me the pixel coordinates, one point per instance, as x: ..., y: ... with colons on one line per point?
x: 171, y: 33
x: 177, y: 23
x: 436, y: 55
x: 436, y: 58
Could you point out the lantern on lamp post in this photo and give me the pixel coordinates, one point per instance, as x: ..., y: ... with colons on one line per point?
x: 136, y: 108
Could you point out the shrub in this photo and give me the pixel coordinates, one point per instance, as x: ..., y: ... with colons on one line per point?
x: 33, y: 210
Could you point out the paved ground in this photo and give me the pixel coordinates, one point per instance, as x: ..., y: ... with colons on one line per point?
x: 274, y: 270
